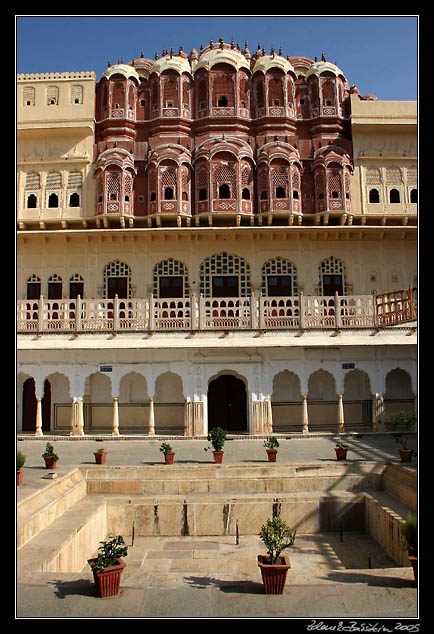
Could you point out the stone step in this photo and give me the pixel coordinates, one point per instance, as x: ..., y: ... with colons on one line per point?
x: 49, y: 500
x: 226, y: 479
x: 67, y: 543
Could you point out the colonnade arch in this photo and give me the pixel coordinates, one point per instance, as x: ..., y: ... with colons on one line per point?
x: 168, y: 398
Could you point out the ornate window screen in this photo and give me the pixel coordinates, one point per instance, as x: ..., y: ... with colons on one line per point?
x: 279, y: 266
x: 332, y: 266
x: 224, y: 174
x: 224, y: 264
x: 116, y: 269
x: 170, y: 267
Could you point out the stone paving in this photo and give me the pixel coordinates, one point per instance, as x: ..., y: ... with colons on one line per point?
x: 331, y: 576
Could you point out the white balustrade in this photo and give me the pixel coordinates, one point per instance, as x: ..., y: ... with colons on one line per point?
x: 216, y: 313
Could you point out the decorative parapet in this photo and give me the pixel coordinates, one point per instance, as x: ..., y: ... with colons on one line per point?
x: 81, y: 74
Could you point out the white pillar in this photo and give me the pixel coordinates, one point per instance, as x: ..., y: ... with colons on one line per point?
x: 80, y: 421
x: 151, y: 430
x: 115, y: 431
x: 74, y: 417
x: 38, y: 430
x: 340, y: 415
x: 269, y: 416
x: 304, y: 415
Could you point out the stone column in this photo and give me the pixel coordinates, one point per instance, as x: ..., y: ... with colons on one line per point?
x: 115, y: 431
x: 151, y: 429
x: 74, y: 417
x: 304, y: 415
x: 269, y: 416
x: 377, y: 410
x: 80, y: 421
x: 38, y: 430
x: 341, y: 421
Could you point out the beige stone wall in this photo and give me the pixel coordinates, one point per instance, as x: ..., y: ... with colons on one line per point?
x: 372, y: 261
x: 55, y: 137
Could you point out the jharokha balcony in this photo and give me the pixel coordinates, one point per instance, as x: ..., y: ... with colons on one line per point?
x: 256, y: 312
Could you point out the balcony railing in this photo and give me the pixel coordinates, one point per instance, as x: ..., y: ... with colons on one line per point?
x: 217, y: 313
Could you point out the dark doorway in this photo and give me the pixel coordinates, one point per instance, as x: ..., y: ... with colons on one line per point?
x: 117, y: 286
x: 332, y: 284
x: 279, y: 286
x: 29, y: 406
x: 225, y: 286
x: 227, y: 403
x: 171, y: 286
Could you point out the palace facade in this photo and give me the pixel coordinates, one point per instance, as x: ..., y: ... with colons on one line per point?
x: 222, y: 238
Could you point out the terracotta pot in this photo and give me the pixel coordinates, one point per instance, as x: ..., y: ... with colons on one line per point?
x: 50, y: 463
x: 413, y: 561
x: 341, y: 454
x: 20, y: 473
x: 107, y: 581
x: 169, y: 457
x: 272, y: 455
x: 218, y: 456
x: 274, y: 575
x: 100, y: 457
x: 406, y: 455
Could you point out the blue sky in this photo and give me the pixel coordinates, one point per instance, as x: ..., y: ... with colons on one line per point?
x: 379, y: 54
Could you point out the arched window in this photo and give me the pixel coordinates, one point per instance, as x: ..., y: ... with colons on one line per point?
x: 245, y: 193
x: 394, y: 196
x: 33, y: 287
x: 117, y: 280
x: 31, y: 201
x: 279, y: 278
x: 225, y: 268
x: 280, y: 192
x: 168, y: 193
x: 413, y: 196
x: 55, y: 287
x: 74, y: 200
x: 224, y: 191
x: 203, y: 194
x: 53, y: 200
x: 170, y: 279
x: 222, y: 101
x: 374, y: 196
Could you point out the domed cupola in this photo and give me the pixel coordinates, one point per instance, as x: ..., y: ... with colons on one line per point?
x: 274, y: 88
x: 222, y: 76
x: 116, y: 97
x: 170, y: 79
x: 326, y: 84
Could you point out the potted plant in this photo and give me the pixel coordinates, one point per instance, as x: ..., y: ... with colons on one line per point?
x: 100, y: 456
x: 217, y: 437
x: 50, y: 457
x: 402, y: 422
x: 409, y: 540
x: 341, y: 450
x: 21, y: 459
x: 277, y: 536
x: 169, y: 454
x: 108, y: 566
x: 271, y: 445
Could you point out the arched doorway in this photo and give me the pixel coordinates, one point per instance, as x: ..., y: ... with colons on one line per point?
x: 29, y: 406
x: 227, y: 403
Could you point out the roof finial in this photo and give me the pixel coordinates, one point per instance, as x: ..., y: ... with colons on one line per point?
x: 323, y: 59
x: 141, y: 54
x: 221, y: 42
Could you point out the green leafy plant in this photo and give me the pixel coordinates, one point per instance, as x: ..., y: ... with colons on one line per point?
x: 110, y: 551
x: 166, y: 448
x: 409, y: 534
x: 277, y: 536
x: 21, y: 459
x: 217, y: 437
x: 341, y: 445
x: 401, y: 421
x: 101, y: 450
x: 49, y: 452
x: 271, y: 443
